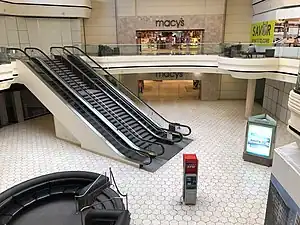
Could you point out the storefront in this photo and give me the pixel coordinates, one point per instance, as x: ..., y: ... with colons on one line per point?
x: 162, y: 33
x: 170, y: 42
x: 287, y: 32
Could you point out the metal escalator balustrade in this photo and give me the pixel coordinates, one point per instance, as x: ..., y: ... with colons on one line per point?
x: 147, y: 110
x: 119, y: 107
x: 85, y: 92
x: 175, y: 137
x: 133, y: 129
x: 53, y: 82
x: 162, y: 133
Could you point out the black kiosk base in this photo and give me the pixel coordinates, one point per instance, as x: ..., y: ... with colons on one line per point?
x: 257, y: 160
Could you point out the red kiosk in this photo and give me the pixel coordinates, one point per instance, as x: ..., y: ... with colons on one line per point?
x: 190, y: 178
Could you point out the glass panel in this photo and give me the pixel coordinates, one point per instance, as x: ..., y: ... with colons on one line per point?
x: 153, y: 49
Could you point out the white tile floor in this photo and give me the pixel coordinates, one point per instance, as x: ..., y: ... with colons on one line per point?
x: 231, y: 191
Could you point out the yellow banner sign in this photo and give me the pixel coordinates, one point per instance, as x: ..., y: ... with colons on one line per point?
x: 262, y: 33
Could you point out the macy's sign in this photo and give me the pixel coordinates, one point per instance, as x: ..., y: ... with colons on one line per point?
x: 172, y: 76
x: 170, y: 23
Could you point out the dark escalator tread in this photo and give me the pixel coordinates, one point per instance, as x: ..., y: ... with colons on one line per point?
x: 94, y: 77
x: 88, y: 115
x: 109, y: 109
x: 145, y: 146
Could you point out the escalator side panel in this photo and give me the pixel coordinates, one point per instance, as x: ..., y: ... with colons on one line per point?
x: 85, y: 133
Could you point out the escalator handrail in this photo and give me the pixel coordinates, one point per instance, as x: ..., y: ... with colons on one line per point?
x: 137, y: 135
x: 176, y: 124
x: 175, y: 140
x: 142, y: 151
x: 76, y: 102
x: 96, y: 121
x: 105, y: 91
x: 112, y: 127
x: 18, y: 49
x: 133, y: 132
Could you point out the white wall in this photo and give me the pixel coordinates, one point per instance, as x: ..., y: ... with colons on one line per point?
x: 262, y: 10
x: 268, y: 5
x: 232, y: 88
x: 238, y: 21
x: 39, y: 32
x: 46, y: 8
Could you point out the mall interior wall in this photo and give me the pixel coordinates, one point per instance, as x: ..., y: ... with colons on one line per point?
x: 260, y: 7
x: 276, y: 98
x: 100, y: 28
x: 232, y: 88
x: 116, y: 21
x: 275, y: 9
x: 39, y: 32
x: 238, y: 21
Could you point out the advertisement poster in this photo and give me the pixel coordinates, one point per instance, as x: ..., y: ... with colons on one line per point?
x: 259, y: 140
x: 262, y: 33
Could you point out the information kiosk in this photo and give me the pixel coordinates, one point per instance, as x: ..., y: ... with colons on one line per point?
x: 260, y: 139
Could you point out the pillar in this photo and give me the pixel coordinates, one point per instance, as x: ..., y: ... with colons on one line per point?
x: 210, y: 87
x: 3, y: 111
x: 131, y: 82
x: 18, y: 106
x: 250, y: 97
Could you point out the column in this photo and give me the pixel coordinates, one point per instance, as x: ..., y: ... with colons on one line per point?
x: 250, y: 97
x: 18, y: 106
x: 210, y: 87
x: 3, y: 111
x: 131, y: 82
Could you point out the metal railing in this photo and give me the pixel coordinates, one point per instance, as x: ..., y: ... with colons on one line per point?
x: 143, y: 106
x: 108, y: 88
x: 144, y: 153
x: 116, y: 117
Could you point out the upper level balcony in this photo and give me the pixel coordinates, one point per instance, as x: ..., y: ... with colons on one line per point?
x: 275, y: 63
x: 278, y: 63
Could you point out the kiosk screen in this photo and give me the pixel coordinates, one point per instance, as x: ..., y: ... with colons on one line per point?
x: 259, y: 140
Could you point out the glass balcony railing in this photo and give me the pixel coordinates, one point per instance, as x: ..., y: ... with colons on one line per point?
x: 153, y: 49
x: 232, y: 50
x: 247, y: 50
x: 4, y: 59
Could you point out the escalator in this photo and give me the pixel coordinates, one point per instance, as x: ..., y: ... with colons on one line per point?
x: 105, y: 107
x: 115, y: 105
x: 41, y: 64
x: 155, y: 122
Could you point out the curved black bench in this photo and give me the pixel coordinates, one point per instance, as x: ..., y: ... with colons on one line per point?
x: 53, y: 196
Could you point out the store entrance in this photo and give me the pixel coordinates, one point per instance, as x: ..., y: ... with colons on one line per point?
x: 158, y: 90
x: 170, y: 42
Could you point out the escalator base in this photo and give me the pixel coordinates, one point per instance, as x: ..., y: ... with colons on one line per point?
x: 170, y: 152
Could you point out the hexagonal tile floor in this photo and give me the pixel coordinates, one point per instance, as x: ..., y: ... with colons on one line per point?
x: 230, y: 191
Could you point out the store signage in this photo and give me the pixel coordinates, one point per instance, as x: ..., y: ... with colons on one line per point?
x: 262, y: 33
x: 169, y: 23
x: 174, y: 76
